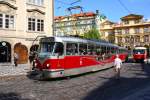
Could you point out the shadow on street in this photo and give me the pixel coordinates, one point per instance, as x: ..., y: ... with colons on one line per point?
x: 118, y: 89
x: 11, y: 96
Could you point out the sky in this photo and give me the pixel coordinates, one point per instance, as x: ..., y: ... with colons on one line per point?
x: 112, y: 9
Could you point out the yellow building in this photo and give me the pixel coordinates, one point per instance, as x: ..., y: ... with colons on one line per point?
x: 21, y: 21
x: 132, y: 31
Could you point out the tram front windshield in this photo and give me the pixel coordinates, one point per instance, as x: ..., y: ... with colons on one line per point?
x: 138, y: 51
x: 51, y: 47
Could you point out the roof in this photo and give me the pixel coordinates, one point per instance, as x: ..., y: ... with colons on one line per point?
x: 132, y: 16
x: 140, y: 48
x: 86, y: 14
x: 107, y: 22
x: 79, y: 40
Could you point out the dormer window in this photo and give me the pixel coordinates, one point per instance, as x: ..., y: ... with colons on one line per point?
x: 126, y: 22
x: 136, y: 21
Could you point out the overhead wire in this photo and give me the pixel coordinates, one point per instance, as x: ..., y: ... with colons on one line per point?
x: 123, y: 5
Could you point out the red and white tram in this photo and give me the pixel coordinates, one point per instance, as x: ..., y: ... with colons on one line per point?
x: 140, y: 54
x: 66, y: 56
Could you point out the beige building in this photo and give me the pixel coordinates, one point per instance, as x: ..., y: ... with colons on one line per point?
x: 132, y: 31
x: 76, y: 24
x: 107, y: 31
x: 21, y: 21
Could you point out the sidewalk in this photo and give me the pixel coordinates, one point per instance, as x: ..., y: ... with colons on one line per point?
x: 11, y: 70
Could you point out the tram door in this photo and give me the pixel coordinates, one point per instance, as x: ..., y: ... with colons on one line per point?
x: 5, y: 52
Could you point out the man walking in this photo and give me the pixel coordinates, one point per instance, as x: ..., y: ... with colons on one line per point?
x: 117, y: 64
x: 16, y: 57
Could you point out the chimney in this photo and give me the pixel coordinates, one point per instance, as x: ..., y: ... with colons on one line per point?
x: 97, y: 12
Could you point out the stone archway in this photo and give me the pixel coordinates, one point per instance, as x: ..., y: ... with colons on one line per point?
x: 148, y: 49
x: 34, y: 48
x: 5, y: 52
x: 22, y: 52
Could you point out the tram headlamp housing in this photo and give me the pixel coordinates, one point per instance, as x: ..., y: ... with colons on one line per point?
x: 35, y: 64
x: 47, y: 65
x: 34, y: 60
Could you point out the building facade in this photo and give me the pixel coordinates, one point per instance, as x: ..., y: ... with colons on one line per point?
x: 21, y: 21
x: 132, y: 31
x: 107, y: 31
x: 76, y: 24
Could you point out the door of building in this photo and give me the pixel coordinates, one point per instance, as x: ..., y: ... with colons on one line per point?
x: 22, y: 52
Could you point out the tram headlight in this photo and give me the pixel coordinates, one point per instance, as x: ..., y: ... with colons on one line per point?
x: 35, y: 64
x: 47, y: 65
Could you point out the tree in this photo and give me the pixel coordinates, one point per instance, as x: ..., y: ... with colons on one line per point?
x: 92, y: 34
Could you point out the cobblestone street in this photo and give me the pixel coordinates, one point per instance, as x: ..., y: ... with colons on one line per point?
x: 134, y: 85
x: 12, y: 70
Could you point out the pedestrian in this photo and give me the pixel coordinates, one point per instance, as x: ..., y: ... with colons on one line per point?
x: 117, y: 65
x: 16, y: 57
x: 31, y: 57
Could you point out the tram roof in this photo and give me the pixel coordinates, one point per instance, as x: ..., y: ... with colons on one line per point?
x: 80, y: 40
x: 139, y: 48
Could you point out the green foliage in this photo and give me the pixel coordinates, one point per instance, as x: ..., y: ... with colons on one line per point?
x: 102, y: 17
x: 92, y: 34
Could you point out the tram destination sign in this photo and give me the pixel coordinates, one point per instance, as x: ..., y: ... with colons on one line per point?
x: 47, y: 39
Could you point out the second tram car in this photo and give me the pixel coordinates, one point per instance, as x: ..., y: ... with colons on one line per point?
x: 66, y: 56
x: 140, y: 54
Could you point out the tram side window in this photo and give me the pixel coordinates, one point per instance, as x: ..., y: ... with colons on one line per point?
x: 98, y: 50
x: 98, y: 53
x: 108, y: 50
x: 82, y: 49
x: 113, y: 50
x: 59, y: 48
x: 91, y: 49
x: 117, y: 50
x: 103, y: 52
x: 71, y: 49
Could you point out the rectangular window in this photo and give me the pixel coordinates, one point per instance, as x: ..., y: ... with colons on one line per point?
x: 127, y: 31
x: 126, y: 22
x: 146, y: 38
x: 40, y: 25
x: 35, y: 24
x: 119, y: 31
x: 36, y: 2
x: 11, y: 22
x: 1, y: 20
x: 127, y: 39
x: 137, y: 21
x: 6, y: 21
x: 137, y: 39
x: 31, y: 24
x: 137, y: 30
x: 146, y: 29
